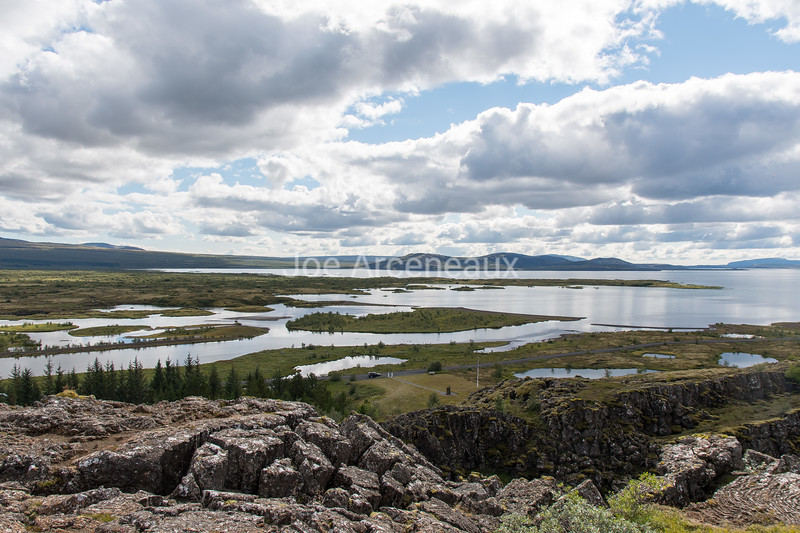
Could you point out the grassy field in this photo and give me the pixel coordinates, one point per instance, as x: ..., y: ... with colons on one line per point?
x: 100, y: 331
x: 282, y: 361
x: 391, y: 397
x: 210, y: 333
x: 77, y: 294
x: 693, y: 350
x: 427, y: 320
x: 185, y: 311
x: 39, y: 328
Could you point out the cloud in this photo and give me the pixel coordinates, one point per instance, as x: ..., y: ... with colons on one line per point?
x: 229, y: 76
x: 736, y: 136
x: 98, y: 97
x: 720, y: 136
x: 787, y: 12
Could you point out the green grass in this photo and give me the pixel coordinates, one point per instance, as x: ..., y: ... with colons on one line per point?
x: 249, y: 309
x: 283, y: 360
x: 9, y: 340
x: 101, y: 331
x: 424, y: 320
x: 185, y: 311
x: 210, y: 333
x: 38, y: 328
x: 48, y: 294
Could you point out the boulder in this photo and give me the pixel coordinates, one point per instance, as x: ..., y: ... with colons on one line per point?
x: 280, y: 479
x: 692, y: 465
x: 315, y: 469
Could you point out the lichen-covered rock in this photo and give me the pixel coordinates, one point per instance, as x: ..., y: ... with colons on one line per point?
x: 328, y: 438
x: 526, y: 498
x: 248, y: 451
x: 588, y: 491
x: 691, y: 466
x: 570, y: 437
x: 759, y: 497
x: 315, y: 469
x: 72, y: 503
x: 209, y: 467
x: 280, y: 479
x: 263, y: 465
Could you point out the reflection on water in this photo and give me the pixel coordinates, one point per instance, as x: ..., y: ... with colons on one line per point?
x: 743, y: 360
x: 658, y: 355
x: 754, y: 297
x: 590, y: 373
x: 356, y: 361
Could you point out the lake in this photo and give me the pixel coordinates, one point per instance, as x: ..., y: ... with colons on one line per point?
x: 748, y: 296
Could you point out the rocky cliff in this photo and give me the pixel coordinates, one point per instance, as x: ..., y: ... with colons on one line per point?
x: 565, y: 429
x: 774, y: 437
x: 196, y: 465
x: 73, y: 464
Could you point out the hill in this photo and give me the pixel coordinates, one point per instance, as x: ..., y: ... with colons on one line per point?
x: 20, y: 254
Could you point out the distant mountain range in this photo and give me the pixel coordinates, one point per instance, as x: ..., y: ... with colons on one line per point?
x: 19, y: 254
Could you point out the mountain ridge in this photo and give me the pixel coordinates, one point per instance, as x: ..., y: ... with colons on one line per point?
x: 21, y: 254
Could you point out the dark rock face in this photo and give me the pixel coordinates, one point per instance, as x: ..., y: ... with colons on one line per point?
x: 267, y: 465
x: 774, y: 437
x: 239, y: 466
x: 573, y: 438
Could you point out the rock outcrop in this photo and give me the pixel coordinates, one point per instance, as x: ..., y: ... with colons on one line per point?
x: 775, y: 437
x: 74, y: 464
x: 768, y: 490
x: 199, y: 465
x: 693, y: 465
x: 572, y: 438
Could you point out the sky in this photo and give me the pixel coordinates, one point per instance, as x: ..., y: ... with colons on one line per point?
x: 650, y: 130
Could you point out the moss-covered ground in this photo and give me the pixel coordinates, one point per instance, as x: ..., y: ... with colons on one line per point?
x: 75, y: 294
x: 423, y: 320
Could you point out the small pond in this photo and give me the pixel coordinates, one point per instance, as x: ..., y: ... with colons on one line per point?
x: 356, y: 361
x: 658, y: 355
x: 743, y: 360
x: 590, y: 373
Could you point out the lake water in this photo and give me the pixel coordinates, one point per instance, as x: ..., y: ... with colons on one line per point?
x: 743, y: 360
x: 748, y: 296
x: 590, y: 373
x: 355, y: 361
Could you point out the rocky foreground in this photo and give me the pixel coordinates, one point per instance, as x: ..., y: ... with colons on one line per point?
x: 71, y: 464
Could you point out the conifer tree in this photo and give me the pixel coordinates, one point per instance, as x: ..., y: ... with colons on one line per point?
x: 135, y: 390
x: 233, y: 385
x: 111, y: 386
x: 173, y: 381
x: 256, y: 386
x: 158, y: 384
x: 94, y: 381
x: 214, y: 383
x: 49, y: 383
x: 193, y: 382
x: 14, y: 385
x: 60, y: 381
x: 28, y: 389
x: 73, y: 381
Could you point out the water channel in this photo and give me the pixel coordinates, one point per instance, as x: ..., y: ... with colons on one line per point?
x: 748, y: 296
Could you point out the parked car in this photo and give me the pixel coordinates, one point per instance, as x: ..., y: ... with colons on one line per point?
x: 374, y: 375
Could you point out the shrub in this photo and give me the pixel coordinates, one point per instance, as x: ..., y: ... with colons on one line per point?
x: 433, y: 400
x: 572, y: 515
x: 632, y: 502
x: 793, y: 373
x: 435, y: 366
